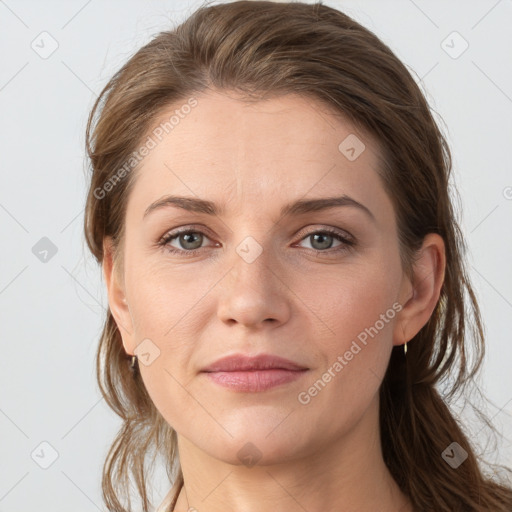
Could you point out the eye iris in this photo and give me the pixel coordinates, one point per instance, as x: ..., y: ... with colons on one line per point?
x: 322, y: 236
x: 185, y: 239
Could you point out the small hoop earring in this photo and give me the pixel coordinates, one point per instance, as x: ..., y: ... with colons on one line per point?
x: 133, y: 363
x: 405, y: 348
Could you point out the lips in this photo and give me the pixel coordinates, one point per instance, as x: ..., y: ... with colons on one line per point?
x: 242, y: 363
x: 245, y: 374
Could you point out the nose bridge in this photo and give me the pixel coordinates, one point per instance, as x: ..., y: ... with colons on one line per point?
x: 253, y: 244
x: 252, y: 291
x: 252, y: 261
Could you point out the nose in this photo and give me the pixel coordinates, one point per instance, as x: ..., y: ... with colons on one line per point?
x: 254, y: 292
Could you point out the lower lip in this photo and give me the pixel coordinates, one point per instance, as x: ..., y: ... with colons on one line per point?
x: 255, y: 380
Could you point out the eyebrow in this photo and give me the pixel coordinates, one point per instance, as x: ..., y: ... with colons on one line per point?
x: 302, y: 206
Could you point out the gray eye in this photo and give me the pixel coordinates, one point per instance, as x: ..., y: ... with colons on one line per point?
x: 191, y: 240
x: 323, y: 240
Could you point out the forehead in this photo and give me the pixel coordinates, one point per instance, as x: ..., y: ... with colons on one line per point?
x: 288, y: 146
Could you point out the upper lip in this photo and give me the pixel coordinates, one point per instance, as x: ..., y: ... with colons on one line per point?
x: 241, y: 362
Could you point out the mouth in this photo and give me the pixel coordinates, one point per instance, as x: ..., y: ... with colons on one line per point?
x: 252, y: 381
x: 253, y: 374
x: 250, y: 374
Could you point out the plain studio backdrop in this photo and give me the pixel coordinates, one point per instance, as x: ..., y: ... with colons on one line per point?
x: 55, y: 428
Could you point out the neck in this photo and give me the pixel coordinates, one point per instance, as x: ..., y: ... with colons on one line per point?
x: 349, y: 476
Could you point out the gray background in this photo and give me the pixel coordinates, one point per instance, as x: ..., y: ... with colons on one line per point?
x: 52, y: 311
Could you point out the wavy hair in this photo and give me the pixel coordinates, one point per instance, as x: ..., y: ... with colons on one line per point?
x: 261, y: 48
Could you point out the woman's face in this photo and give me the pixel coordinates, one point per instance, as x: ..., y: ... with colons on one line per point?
x: 249, y: 280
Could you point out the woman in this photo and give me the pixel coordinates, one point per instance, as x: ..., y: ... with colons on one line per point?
x: 269, y: 202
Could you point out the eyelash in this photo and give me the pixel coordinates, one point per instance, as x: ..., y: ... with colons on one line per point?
x: 347, y: 243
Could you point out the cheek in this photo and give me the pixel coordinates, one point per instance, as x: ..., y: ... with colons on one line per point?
x: 348, y: 300
x: 161, y: 306
x: 357, y: 314
x: 163, y: 297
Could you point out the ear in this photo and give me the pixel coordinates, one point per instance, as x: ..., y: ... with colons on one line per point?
x: 420, y: 297
x: 116, y: 296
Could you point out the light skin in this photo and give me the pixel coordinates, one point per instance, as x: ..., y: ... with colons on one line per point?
x: 302, y: 298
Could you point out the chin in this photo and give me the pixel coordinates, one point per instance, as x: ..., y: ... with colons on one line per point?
x: 256, y: 445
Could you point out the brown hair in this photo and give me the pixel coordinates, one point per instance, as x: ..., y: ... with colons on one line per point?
x: 263, y: 48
